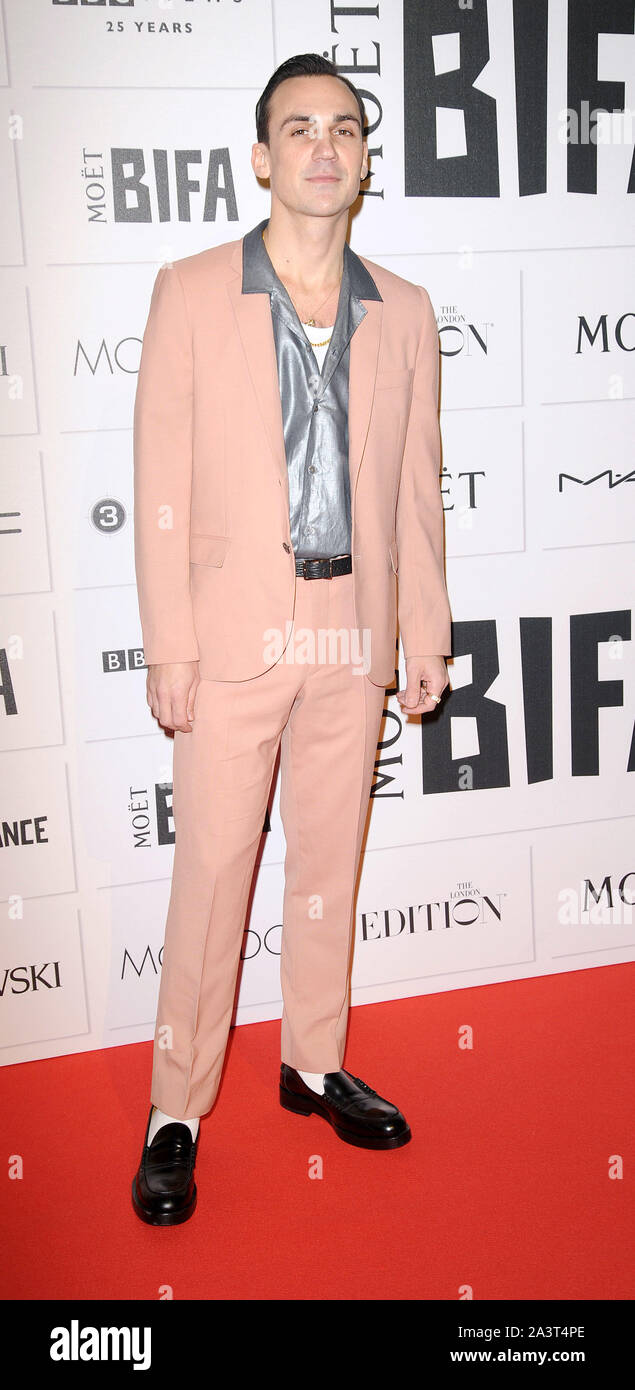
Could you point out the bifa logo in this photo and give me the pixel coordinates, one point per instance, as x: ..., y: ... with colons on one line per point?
x: 77, y: 1343
x: 452, y: 115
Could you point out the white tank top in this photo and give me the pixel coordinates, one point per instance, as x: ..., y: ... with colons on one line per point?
x: 318, y: 335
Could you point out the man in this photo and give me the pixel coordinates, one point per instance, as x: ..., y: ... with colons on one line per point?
x: 286, y: 465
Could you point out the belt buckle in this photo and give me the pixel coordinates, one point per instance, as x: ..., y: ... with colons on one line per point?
x: 308, y: 560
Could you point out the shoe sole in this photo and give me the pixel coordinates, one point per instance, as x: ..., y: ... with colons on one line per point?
x: 301, y: 1105
x: 162, y: 1218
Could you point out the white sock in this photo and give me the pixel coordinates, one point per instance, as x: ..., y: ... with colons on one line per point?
x: 159, y: 1118
x: 314, y: 1079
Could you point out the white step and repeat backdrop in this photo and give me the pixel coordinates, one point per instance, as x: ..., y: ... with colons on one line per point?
x: 501, y: 836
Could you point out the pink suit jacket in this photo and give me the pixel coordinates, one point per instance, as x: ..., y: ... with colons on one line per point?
x: 214, y: 565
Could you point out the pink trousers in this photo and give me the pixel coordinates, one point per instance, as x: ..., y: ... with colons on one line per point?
x: 318, y: 705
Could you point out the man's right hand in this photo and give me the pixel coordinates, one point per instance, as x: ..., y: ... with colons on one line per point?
x: 170, y: 691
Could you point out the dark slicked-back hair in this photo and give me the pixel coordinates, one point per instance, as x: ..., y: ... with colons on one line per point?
x: 302, y: 65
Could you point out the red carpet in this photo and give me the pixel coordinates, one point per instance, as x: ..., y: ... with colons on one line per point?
x: 504, y: 1187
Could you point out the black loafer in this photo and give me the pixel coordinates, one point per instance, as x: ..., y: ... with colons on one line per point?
x: 163, y: 1188
x: 358, y: 1115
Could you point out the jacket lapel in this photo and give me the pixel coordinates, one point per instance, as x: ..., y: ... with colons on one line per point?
x: 364, y: 351
x: 253, y: 319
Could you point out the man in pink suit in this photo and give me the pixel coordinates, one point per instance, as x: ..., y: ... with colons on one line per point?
x: 286, y: 459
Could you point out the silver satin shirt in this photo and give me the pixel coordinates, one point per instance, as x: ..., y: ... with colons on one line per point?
x: 314, y: 403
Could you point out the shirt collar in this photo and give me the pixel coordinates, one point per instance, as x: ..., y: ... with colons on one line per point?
x: 259, y: 274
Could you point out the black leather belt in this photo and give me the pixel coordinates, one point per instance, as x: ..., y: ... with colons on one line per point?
x: 323, y: 569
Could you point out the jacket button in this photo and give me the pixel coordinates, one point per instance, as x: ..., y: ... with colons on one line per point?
x: 286, y: 546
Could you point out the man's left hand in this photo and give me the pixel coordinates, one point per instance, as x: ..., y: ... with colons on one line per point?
x: 432, y: 670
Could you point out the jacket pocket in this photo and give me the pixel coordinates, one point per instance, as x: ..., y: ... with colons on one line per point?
x: 208, y: 550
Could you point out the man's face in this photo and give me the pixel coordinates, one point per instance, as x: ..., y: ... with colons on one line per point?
x: 316, y: 154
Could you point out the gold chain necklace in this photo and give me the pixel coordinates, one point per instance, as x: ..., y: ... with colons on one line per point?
x: 326, y: 340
